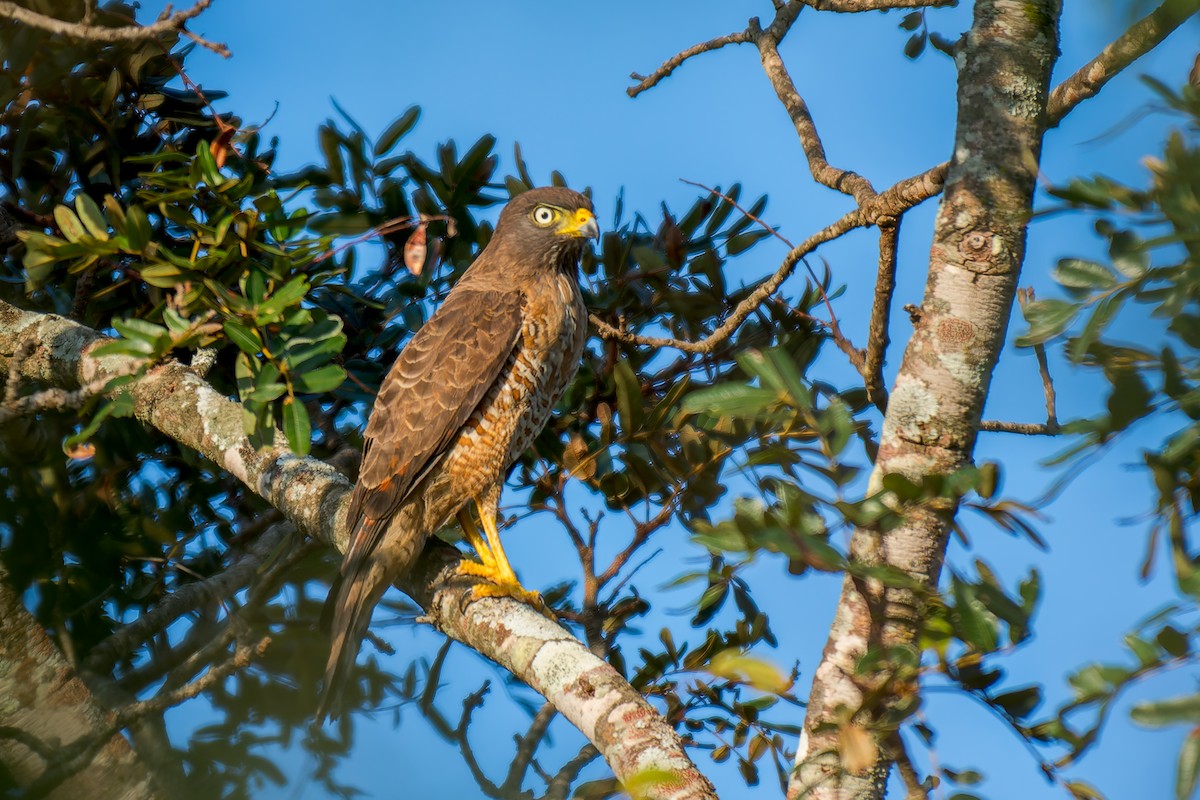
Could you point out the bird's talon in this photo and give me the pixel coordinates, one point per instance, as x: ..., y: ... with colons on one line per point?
x: 508, y: 589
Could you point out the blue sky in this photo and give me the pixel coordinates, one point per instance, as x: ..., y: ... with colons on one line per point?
x: 552, y: 76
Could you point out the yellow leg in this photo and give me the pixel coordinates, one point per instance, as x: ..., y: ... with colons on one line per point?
x: 493, y: 564
x: 503, y: 568
x: 487, y: 565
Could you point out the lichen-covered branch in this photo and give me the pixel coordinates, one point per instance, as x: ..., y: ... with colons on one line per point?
x: 633, y: 738
x: 935, y: 405
x: 855, y: 6
x: 45, y: 708
x: 1142, y: 37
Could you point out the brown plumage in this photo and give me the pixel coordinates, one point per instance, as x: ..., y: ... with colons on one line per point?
x: 465, y: 398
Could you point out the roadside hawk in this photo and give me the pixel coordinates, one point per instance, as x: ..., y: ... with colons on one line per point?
x: 464, y: 400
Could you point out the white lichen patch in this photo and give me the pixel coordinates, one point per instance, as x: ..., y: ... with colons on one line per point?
x: 963, y: 370
x: 558, y: 664
x: 526, y: 632
x: 912, y: 402
x: 231, y: 459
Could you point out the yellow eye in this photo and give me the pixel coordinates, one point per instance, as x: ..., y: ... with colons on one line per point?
x: 543, y: 216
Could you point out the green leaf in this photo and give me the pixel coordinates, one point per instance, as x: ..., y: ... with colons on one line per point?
x: 296, y: 426
x: 145, y: 336
x: 1019, y: 703
x: 1047, y: 319
x: 1103, y: 314
x: 1156, y: 714
x: 1076, y: 273
x: 289, y: 294
x: 394, y: 132
x: 744, y: 241
x: 90, y: 214
x: 69, y: 224
x: 247, y: 339
x: 324, y: 379
x: 164, y: 276
x: 1129, y: 254
x: 1130, y: 400
x: 339, y: 224
x: 331, y: 141
x: 630, y: 409
x: 137, y: 229
x: 1188, y: 769
x: 309, y: 356
x: 730, y: 400
x: 776, y: 369
x: 977, y: 627
x: 208, y: 165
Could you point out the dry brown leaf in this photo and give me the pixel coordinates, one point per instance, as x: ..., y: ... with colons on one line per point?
x: 857, y: 748
x: 578, y: 460
x: 220, y: 145
x: 82, y: 451
x: 415, y: 250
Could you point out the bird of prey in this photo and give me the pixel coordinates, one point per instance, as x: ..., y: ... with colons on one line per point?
x: 464, y: 400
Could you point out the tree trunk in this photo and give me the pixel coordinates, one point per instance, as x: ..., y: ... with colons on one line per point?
x: 45, y: 706
x: 937, y: 400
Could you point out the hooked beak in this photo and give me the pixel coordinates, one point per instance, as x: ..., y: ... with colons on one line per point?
x: 582, y: 225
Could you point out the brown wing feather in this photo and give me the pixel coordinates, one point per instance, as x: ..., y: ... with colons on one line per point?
x: 440, y: 377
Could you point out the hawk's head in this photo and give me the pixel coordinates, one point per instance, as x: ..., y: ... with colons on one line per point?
x: 546, y: 228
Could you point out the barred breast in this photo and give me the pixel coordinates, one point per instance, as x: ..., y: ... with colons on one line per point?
x: 520, y: 402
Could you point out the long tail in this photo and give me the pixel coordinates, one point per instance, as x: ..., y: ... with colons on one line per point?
x: 352, y: 598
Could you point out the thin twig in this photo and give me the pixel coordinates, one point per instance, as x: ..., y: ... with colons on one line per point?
x: 560, y: 785
x: 834, y: 328
x: 54, y: 398
x: 45, y: 750
x: 881, y: 312
x: 858, y: 6
x: 242, y: 657
x: 914, y: 787
x: 390, y: 226
x: 1050, y: 427
x: 527, y: 746
x: 470, y: 703
x: 671, y: 64
x: 186, y: 599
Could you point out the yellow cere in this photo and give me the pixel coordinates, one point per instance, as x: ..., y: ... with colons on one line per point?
x: 581, y: 223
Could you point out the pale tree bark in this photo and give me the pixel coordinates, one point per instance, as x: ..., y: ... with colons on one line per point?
x: 47, y: 713
x: 638, y: 744
x: 937, y: 400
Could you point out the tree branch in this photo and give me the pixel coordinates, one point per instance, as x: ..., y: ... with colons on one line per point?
x: 674, y: 62
x: 855, y: 6
x: 744, y: 309
x: 1142, y: 37
x: 842, y: 180
x: 89, y: 32
x: 631, y: 735
x: 881, y: 313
